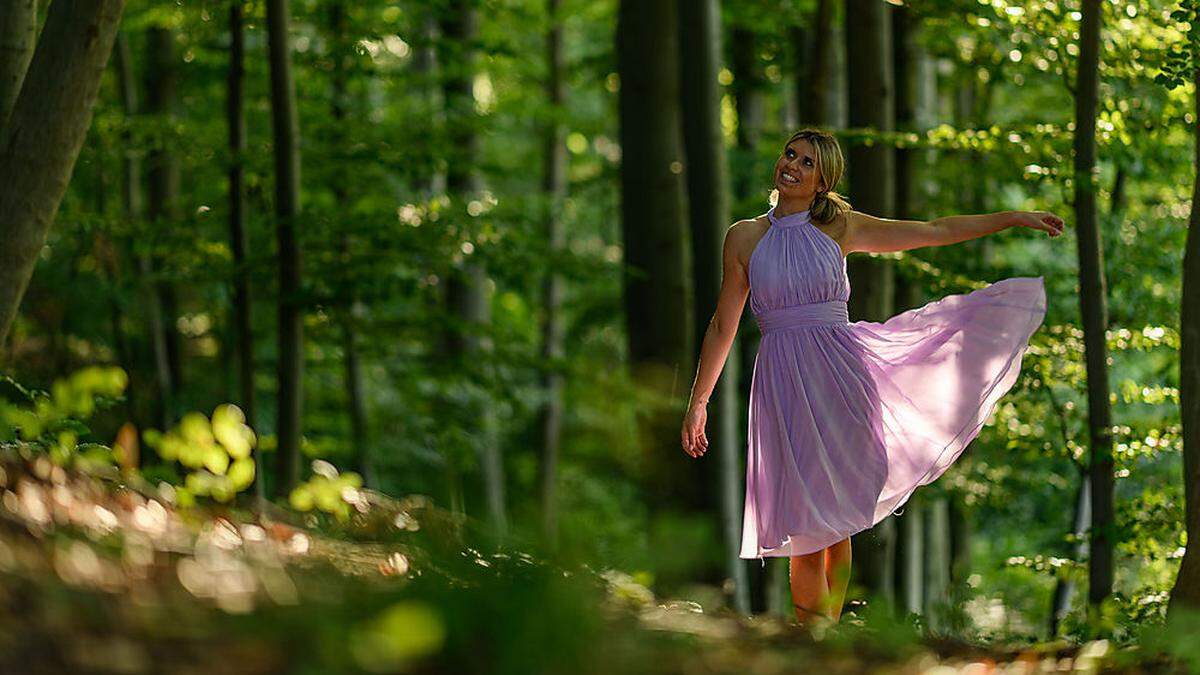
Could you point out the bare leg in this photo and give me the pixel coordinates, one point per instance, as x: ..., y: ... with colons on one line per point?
x: 838, y: 575
x: 810, y: 589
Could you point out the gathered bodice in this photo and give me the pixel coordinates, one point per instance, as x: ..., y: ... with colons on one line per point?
x: 795, y: 263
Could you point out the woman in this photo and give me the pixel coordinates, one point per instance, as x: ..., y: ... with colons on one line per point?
x: 846, y: 418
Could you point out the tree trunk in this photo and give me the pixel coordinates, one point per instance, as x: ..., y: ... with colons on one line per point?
x: 937, y: 548
x: 131, y: 200
x: 747, y: 90
x: 554, y: 188
x: 162, y: 173
x: 1186, y: 591
x: 45, y: 131
x: 341, y: 52
x: 708, y: 213
x: 466, y: 289
x: 1065, y: 588
x: 239, y: 239
x: 286, y: 130
x: 814, y: 76
x: 871, y: 171
x: 18, y: 35
x: 1093, y: 307
x: 748, y: 85
x: 658, y: 294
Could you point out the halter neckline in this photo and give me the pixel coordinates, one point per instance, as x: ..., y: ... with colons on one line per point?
x: 791, y: 219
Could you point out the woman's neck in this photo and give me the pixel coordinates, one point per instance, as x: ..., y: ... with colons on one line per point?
x: 788, y: 207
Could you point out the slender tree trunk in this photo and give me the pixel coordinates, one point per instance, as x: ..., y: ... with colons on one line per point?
x: 872, y: 181
x: 1065, y: 588
x: 47, y: 126
x: 285, y: 125
x: 1093, y: 307
x: 162, y: 173
x: 131, y: 200
x: 238, y: 236
x: 467, y: 288
x: 747, y: 90
x: 658, y: 294
x: 554, y: 187
x: 18, y: 35
x: 355, y: 399
x: 1186, y: 591
x: 708, y: 213
x: 937, y: 550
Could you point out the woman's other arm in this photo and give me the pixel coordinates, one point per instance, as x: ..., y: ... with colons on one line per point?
x: 718, y: 337
x: 883, y: 235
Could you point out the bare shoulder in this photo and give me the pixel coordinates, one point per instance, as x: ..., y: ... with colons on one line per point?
x: 743, y: 236
x: 839, y: 227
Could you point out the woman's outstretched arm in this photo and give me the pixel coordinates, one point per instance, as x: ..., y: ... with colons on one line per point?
x: 718, y: 337
x: 882, y: 235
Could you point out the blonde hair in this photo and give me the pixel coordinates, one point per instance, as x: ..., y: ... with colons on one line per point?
x: 827, y: 204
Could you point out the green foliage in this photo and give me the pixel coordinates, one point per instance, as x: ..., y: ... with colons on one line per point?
x: 1181, y: 58
x: 328, y: 491
x: 216, y: 452
x: 53, y: 422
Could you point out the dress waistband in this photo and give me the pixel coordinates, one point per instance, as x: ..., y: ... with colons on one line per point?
x: 807, y: 314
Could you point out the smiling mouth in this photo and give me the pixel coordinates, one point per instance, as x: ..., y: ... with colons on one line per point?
x: 789, y: 178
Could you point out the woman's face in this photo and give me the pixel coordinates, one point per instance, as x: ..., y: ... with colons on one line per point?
x: 796, y: 174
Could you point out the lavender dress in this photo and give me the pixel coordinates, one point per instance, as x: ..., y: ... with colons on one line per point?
x: 847, y: 419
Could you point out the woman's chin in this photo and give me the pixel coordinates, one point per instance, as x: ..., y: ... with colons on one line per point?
x: 789, y: 190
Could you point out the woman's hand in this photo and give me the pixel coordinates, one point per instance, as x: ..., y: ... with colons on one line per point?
x: 1038, y: 220
x: 695, y: 442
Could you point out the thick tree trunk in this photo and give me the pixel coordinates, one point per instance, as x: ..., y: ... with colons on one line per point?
x: 18, y: 35
x: 871, y: 171
x: 239, y: 239
x: 1093, y: 308
x: 748, y: 92
x: 285, y: 125
x: 40, y: 143
x: 467, y: 290
x: 554, y: 189
x: 708, y: 213
x: 658, y: 295
x: 814, y: 77
x: 1186, y: 591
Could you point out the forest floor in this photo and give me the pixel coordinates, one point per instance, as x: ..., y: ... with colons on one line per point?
x: 103, y: 574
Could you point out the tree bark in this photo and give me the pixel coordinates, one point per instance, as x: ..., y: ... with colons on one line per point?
x: 1186, y: 591
x: 748, y: 85
x: 1093, y: 308
x: 466, y: 289
x: 814, y: 76
x: 554, y: 189
x: 341, y: 52
x: 937, y: 549
x: 162, y: 174
x: 708, y: 214
x: 872, y: 181
x: 658, y: 296
x: 18, y: 35
x: 239, y: 239
x: 286, y: 130
x: 40, y: 143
